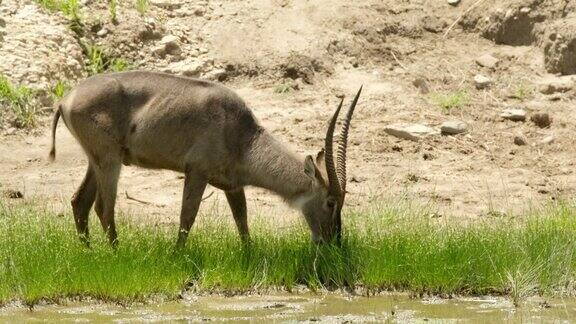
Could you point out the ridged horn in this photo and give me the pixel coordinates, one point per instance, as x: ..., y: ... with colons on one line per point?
x: 333, y: 182
x: 343, y: 145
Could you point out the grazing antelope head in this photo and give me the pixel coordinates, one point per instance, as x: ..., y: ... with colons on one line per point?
x: 204, y: 130
x: 322, y: 207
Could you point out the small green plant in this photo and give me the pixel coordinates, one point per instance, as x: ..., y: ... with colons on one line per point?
x: 113, y: 9
x: 95, y: 59
x: 60, y: 89
x: 283, y: 88
x: 522, y: 91
x: 118, y: 65
x: 142, y: 6
x: 450, y: 101
x: 20, y: 100
x: 100, y: 61
x: 70, y: 8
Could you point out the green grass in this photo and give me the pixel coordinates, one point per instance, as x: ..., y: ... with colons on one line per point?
x: 523, y: 91
x: 283, y: 88
x: 113, y: 9
x: 99, y: 61
x: 141, y: 6
x: 20, y: 101
x: 70, y: 8
x: 386, y: 248
x: 59, y: 89
x: 448, y: 102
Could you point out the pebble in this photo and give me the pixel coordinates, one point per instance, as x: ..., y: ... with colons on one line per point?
x: 520, y: 140
x: 548, y: 140
x: 453, y: 2
x: 102, y: 32
x: 556, y: 84
x: 514, y: 114
x: 412, y: 132
x: 453, y: 127
x: 171, y: 44
x: 422, y: 85
x: 487, y: 60
x: 481, y: 81
x: 541, y: 120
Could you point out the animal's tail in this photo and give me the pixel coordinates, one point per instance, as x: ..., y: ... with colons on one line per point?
x: 57, y: 114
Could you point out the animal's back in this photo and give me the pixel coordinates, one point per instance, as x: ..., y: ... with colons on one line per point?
x: 159, y: 120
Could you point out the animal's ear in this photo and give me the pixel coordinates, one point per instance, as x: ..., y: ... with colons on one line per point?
x: 310, y: 167
x: 320, y: 157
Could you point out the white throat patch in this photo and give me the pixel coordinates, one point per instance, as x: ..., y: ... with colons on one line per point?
x: 300, y: 201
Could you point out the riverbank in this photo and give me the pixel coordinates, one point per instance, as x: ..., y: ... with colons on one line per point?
x: 385, y: 248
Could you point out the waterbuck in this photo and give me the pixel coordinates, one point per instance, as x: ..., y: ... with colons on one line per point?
x: 200, y: 128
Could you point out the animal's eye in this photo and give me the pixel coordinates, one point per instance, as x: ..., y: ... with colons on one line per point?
x: 330, y: 203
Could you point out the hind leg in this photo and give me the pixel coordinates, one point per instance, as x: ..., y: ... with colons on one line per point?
x: 107, y: 174
x: 82, y: 202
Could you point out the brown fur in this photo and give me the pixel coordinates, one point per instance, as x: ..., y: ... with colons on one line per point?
x: 202, y: 129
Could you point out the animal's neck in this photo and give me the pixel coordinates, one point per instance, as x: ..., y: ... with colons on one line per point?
x: 269, y: 165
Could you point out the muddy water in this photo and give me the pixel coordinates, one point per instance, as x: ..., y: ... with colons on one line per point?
x: 309, y: 308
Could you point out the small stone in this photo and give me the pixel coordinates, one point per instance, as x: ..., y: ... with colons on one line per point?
x: 514, y: 114
x: 412, y: 132
x: 554, y: 84
x: 481, y: 82
x: 102, y: 32
x: 520, y: 140
x: 171, y: 44
x: 548, y: 140
x: 13, y: 194
x: 541, y: 120
x: 453, y: 127
x: 422, y: 85
x: 488, y: 61
x: 166, y: 4
x: 453, y: 2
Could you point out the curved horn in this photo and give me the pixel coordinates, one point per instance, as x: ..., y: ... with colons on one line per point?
x: 333, y: 182
x: 343, y: 145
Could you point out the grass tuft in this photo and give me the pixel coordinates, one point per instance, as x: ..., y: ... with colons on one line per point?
x: 142, y: 6
x: 20, y: 100
x: 100, y: 61
x: 450, y: 101
x: 383, y: 249
x: 60, y: 89
x: 113, y: 9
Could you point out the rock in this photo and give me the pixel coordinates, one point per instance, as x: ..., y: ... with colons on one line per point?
x: 171, y: 44
x: 166, y: 4
x: 548, y: 140
x: 453, y: 2
x: 554, y: 84
x: 520, y: 140
x: 514, y: 114
x: 102, y: 32
x: 191, y: 68
x: 453, y: 127
x: 422, y: 85
x: 541, y: 120
x: 487, y: 60
x: 481, y: 82
x: 560, y: 45
x: 217, y: 75
x: 13, y: 194
x: 412, y: 132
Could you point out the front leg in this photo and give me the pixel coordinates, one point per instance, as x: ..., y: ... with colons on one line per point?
x: 237, y: 201
x: 194, y: 186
